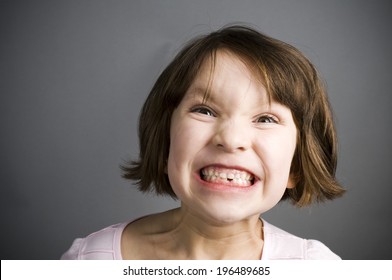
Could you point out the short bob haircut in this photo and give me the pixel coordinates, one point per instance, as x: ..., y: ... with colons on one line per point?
x: 289, y: 78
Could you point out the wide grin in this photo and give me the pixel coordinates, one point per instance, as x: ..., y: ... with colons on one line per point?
x: 230, y: 177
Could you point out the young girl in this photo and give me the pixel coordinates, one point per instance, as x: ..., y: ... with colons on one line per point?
x: 237, y: 122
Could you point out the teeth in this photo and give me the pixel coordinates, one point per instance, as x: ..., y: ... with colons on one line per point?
x: 227, y: 176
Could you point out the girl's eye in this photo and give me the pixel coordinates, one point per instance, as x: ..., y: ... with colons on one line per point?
x: 266, y: 119
x: 203, y: 111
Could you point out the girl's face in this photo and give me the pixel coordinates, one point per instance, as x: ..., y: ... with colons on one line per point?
x: 230, y: 155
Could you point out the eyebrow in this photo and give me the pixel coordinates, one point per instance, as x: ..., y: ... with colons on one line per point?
x: 202, y: 92
x: 205, y: 93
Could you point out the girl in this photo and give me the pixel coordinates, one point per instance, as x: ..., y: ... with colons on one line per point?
x: 237, y: 122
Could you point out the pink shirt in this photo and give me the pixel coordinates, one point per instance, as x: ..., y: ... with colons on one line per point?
x: 278, y: 245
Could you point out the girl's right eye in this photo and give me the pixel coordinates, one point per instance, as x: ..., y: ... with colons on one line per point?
x: 203, y: 110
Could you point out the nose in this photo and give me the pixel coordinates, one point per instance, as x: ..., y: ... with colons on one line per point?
x: 232, y: 136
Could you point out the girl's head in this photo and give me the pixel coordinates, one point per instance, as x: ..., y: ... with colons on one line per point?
x: 289, y: 79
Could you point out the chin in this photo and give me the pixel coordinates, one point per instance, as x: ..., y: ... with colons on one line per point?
x: 228, y: 214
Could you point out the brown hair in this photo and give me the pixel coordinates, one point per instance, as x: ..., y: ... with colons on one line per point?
x: 289, y: 78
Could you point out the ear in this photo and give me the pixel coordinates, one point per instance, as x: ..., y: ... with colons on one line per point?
x: 292, y: 182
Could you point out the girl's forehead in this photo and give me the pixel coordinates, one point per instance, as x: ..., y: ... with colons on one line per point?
x: 221, y: 60
x: 226, y: 67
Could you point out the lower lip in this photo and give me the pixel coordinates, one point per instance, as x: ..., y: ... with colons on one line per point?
x: 224, y: 187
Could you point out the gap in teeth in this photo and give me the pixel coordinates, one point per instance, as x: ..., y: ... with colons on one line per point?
x: 238, y: 177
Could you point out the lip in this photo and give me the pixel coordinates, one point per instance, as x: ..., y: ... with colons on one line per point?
x: 226, y: 187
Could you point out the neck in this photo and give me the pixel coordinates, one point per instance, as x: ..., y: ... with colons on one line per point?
x: 197, y: 238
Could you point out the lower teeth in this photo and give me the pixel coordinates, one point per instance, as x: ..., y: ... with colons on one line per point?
x: 237, y: 182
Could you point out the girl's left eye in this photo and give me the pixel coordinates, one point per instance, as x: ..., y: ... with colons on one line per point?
x: 266, y: 119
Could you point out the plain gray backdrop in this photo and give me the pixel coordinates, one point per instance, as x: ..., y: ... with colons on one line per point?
x: 74, y: 75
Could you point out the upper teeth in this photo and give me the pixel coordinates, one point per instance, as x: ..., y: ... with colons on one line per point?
x: 227, y: 173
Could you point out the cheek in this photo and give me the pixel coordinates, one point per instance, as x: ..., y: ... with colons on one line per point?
x: 276, y: 153
x: 184, y: 145
x: 174, y: 164
x: 181, y: 141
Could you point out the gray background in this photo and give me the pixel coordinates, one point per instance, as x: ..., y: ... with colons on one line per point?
x: 74, y: 75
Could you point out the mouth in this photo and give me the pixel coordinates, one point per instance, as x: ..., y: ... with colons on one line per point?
x: 227, y: 176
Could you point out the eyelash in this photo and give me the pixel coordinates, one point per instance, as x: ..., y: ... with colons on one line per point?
x: 209, y: 112
x: 203, y: 110
x: 269, y: 118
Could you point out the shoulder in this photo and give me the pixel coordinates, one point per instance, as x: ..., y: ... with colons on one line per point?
x: 104, y: 244
x: 279, y: 244
x: 141, y: 238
